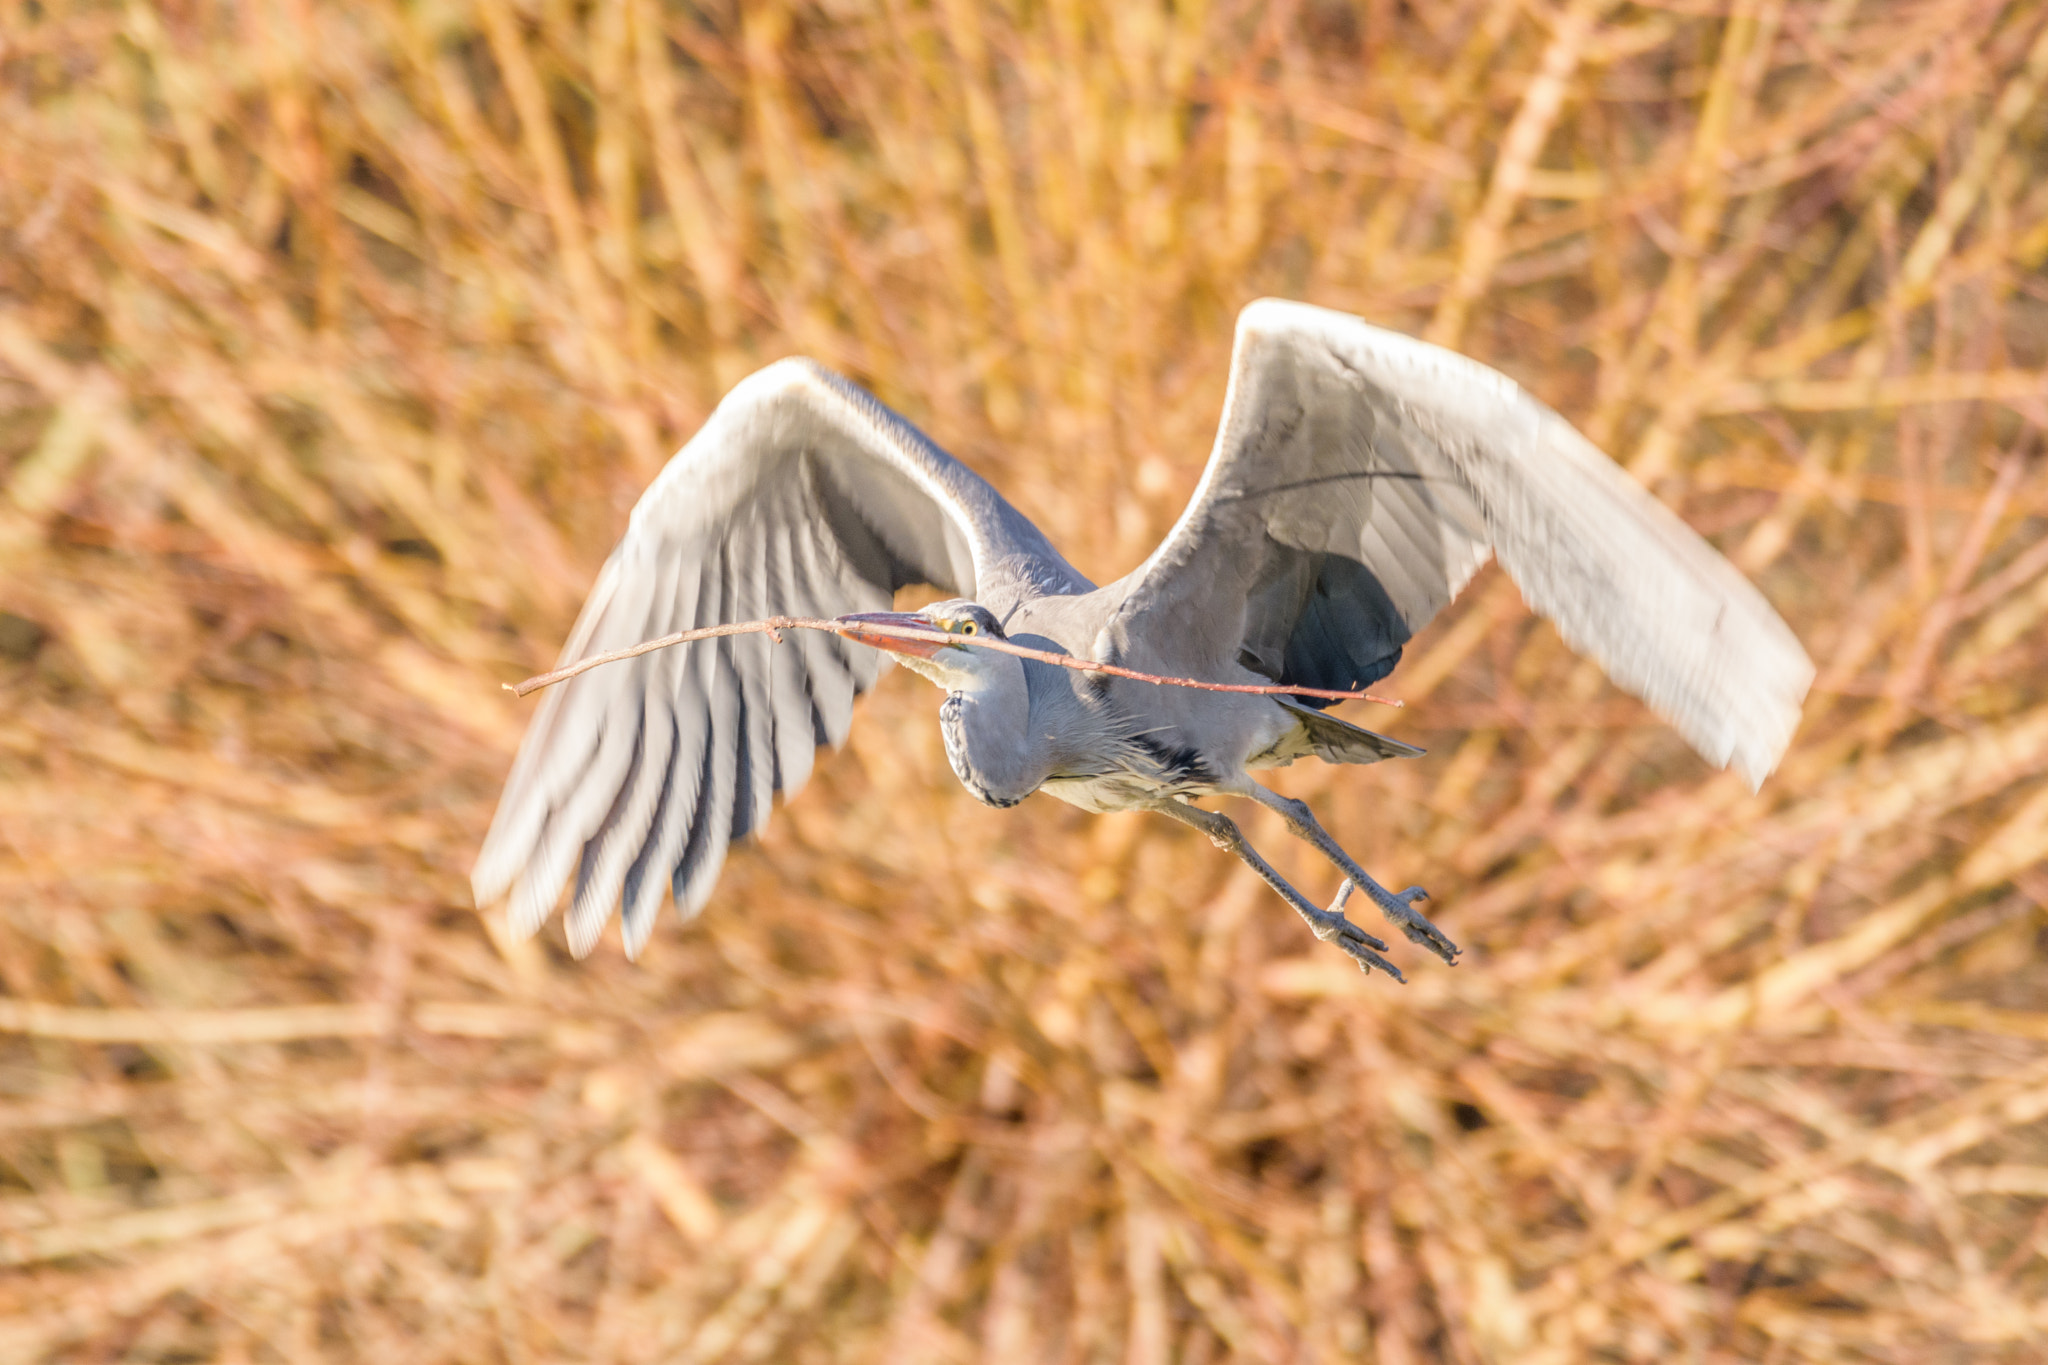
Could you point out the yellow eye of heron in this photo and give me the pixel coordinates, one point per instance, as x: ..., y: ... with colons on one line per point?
x: 967, y: 628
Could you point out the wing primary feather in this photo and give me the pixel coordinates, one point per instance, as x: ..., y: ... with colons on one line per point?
x: 834, y: 682
x: 624, y: 828
x: 745, y: 757
x: 695, y: 757
x: 524, y: 807
x: 566, y: 761
x: 596, y: 892
x: 625, y: 832
x: 751, y: 661
x: 711, y: 827
x: 789, y: 682
x: 559, y: 745
x: 540, y: 886
x: 641, y: 896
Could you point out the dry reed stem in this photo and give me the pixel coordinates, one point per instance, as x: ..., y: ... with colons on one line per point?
x: 773, y: 626
x: 335, y: 342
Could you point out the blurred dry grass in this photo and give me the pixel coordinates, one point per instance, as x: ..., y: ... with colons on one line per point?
x: 335, y: 342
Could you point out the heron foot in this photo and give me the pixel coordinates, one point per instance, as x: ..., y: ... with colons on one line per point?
x: 1328, y: 925
x: 1331, y: 926
x: 1399, y: 908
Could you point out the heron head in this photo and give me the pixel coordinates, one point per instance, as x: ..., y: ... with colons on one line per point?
x: 954, y: 665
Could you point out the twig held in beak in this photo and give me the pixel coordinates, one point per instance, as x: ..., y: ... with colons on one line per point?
x: 774, y: 625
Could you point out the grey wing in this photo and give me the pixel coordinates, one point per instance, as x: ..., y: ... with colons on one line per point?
x: 803, y: 496
x: 1360, y: 478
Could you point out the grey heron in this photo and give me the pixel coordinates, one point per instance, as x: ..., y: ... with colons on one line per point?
x: 1359, y: 479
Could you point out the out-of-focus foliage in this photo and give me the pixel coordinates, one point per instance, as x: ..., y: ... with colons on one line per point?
x: 335, y: 342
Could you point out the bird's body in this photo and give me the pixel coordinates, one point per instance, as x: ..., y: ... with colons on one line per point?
x: 1109, y: 744
x: 1359, y: 479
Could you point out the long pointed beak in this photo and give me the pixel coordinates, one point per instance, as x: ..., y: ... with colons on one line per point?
x: 921, y: 649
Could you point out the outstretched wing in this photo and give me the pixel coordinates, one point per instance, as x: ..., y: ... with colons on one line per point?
x: 1360, y: 478
x: 803, y: 496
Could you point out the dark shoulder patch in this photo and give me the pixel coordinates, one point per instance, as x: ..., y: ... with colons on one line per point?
x: 1178, y: 762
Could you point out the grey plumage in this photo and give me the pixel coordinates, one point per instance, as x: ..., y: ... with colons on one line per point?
x: 1359, y: 479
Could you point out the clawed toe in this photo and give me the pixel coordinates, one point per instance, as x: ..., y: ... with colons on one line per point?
x: 1331, y: 926
x: 1399, y: 908
x: 1368, y: 960
x: 1344, y: 931
x: 1430, y: 937
x: 1364, y: 949
x: 1420, y: 931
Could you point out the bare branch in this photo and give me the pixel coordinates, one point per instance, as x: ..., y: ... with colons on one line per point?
x: 775, y: 624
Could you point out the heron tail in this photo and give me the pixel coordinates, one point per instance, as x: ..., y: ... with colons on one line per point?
x: 1332, y: 740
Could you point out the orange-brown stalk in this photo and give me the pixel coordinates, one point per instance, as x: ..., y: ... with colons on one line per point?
x: 774, y: 624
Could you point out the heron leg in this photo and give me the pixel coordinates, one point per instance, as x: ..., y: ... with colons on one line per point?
x: 1398, y: 907
x: 1327, y: 925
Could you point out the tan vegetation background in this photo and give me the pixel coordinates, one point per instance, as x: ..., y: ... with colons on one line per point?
x: 335, y: 343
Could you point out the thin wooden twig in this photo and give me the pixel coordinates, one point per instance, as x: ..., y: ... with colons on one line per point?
x: 776, y: 624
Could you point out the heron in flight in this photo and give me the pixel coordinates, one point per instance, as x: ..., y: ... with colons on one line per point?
x: 1358, y: 481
